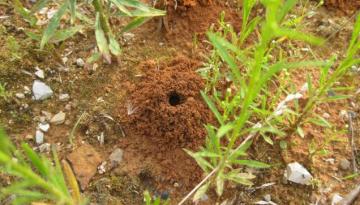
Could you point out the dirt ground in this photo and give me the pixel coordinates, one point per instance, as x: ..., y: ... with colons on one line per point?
x: 149, y: 105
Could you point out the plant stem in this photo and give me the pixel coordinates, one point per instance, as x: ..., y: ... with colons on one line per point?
x: 104, y: 22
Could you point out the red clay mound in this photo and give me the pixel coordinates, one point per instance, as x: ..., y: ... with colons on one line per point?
x: 169, y: 108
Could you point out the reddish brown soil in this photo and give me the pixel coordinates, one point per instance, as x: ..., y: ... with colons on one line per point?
x: 168, y: 107
x: 168, y: 115
x: 347, y: 6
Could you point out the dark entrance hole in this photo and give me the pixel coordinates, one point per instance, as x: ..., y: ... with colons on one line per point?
x: 175, y: 98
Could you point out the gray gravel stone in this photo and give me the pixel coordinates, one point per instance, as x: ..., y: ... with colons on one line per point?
x: 39, y: 137
x: 41, y: 91
x: 296, y: 173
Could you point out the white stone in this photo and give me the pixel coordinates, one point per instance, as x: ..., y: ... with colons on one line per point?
x: 336, y: 199
x: 39, y: 73
x: 64, y: 97
x: 296, y: 173
x: 41, y: 91
x: 20, y: 95
x: 80, y: 62
x: 39, y: 137
x: 58, y: 119
x: 44, y: 127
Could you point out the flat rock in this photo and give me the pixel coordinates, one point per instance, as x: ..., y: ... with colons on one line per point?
x: 58, y: 119
x: 39, y: 137
x: 344, y: 164
x: 84, y: 161
x: 41, y: 91
x: 296, y: 173
x: 116, y: 157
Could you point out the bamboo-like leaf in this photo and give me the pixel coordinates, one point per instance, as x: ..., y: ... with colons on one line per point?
x: 136, y: 22
x: 53, y: 25
x: 62, y: 35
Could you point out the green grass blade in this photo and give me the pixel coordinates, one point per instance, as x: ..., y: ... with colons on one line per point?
x: 212, y: 108
x: 62, y: 35
x: 72, y: 7
x: 252, y: 163
x: 121, y: 7
x: 36, y: 160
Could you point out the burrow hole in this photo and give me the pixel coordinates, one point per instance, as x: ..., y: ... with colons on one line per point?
x: 175, y: 98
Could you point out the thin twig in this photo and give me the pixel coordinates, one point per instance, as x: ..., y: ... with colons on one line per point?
x: 352, y: 142
x: 198, y: 186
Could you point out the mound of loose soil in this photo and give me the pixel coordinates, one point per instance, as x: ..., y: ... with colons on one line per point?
x: 168, y: 107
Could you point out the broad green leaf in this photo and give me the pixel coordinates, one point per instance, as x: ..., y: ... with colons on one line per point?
x: 94, y: 57
x: 252, y: 163
x: 136, y: 22
x: 114, y: 45
x: 101, y: 40
x: 223, y: 130
x: 215, y: 40
x: 53, y: 25
x: 27, y: 15
x: 300, y: 131
x: 267, y: 139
